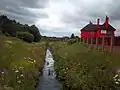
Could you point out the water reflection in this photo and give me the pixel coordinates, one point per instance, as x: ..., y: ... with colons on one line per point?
x: 48, y: 79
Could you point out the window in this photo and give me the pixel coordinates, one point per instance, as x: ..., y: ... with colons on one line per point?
x: 109, y: 33
x: 103, y: 31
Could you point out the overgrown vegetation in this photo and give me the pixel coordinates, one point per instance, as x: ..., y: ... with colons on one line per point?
x: 81, y: 68
x: 11, y: 28
x: 26, y: 36
x: 20, y: 63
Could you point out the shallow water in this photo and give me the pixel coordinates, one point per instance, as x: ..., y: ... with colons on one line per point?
x: 48, y: 79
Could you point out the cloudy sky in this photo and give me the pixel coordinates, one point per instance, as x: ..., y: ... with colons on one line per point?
x: 61, y: 17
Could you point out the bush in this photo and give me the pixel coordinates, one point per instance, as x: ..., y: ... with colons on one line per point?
x: 26, y: 36
x: 72, y: 41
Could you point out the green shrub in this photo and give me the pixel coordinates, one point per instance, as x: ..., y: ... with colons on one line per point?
x: 72, y: 41
x: 26, y: 36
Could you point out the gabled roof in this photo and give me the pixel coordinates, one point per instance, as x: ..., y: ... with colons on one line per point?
x: 90, y: 27
x: 110, y: 27
x: 93, y: 27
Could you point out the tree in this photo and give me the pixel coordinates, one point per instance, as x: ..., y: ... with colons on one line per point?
x: 8, y: 28
x: 35, y: 31
x: 11, y: 27
x: 26, y: 36
x: 72, y: 35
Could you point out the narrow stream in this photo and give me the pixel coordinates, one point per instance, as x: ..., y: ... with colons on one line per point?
x: 48, y: 79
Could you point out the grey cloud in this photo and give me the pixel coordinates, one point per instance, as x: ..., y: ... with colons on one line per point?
x: 16, y: 9
x: 77, y: 20
x: 91, y: 12
x: 58, y: 34
x: 114, y: 10
x: 55, y: 32
x: 26, y: 3
x: 84, y: 12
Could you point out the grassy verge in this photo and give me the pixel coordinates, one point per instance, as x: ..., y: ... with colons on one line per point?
x: 82, y: 68
x: 20, y: 63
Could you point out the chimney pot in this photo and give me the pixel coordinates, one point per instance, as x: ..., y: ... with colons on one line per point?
x: 106, y: 22
x: 98, y: 21
x: 90, y: 22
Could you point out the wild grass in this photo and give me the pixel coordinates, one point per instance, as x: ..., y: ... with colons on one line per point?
x: 84, y: 68
x: 20, y: 63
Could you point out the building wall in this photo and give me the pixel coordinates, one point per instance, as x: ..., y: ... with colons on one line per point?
x: 99, y: 34
x: 85, y: 34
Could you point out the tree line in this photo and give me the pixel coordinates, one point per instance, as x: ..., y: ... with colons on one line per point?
x: 27, y: 33
x: 15, y: 29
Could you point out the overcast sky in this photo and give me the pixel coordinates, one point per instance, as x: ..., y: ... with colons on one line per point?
x: 61, y: 17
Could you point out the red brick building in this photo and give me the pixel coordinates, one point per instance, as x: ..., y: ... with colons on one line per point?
x: 93, y: 31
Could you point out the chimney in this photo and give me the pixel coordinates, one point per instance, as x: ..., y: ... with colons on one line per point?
x: 106, y: 22
x: 90, y: 22
x: 98, y: 21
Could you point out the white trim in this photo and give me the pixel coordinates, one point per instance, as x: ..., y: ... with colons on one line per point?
x: 103, y: 31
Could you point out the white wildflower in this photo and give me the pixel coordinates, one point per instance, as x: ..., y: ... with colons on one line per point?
x: 117, y: 82
x: 13, y: 55
x: 21, y: 75
x: 67, y: 68
x: 29, y: 58
x: 9, y: 41
x: 24, y: 57
x: 33, y: 51
x: 34, y: 61
x: 19, y: 81
x: 2, y: 78
x: 17, y: 77
x: 16, y: 71
x: 66, y: 54
x: 30, y: 62
x: 116, y: 76
x: 21, y: 67
x: 2, y: 72
x: 63, y: 69
x: 115, y: 79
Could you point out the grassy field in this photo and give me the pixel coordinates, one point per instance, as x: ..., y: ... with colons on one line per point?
x: 84, y: 68
x: 20, y: 63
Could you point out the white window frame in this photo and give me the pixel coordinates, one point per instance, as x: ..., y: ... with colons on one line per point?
x: 103, y: 31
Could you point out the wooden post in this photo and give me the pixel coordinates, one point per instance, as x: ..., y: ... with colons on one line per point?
x: 91, y: 41
x: 80, y: 39
x: 87, y: 40
x: 111, y: 44
x: 83, y: 40
x: 96, y: 42
x: 103, y: 42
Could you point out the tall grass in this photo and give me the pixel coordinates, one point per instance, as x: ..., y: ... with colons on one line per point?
x: 81, y: 68
x: 20, y: 63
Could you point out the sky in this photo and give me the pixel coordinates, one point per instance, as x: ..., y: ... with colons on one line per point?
x: 61, y: 17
